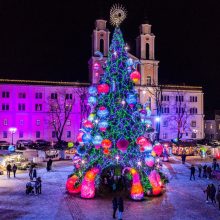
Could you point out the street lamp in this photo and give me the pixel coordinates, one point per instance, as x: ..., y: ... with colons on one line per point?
x: 12, y: 130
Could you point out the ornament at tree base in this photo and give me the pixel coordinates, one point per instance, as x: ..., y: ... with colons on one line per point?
x: 102, y: 112
x: 106, y: 143
x: 96, y: 66
x: 103, y: 125
x: 86, y: 138
x: 92, y: 100
x: 91, y: 117
x: 97, y: 141
x: 135, y: 76
x: 149, y: 161
x: 158, y: 149
x: 122, y: 145
x: 88, y: 183
x: 70, y: 185
x: 103, y: 88
x: 79, y: 137
x: 155, y: 182
x: 142, y: 140
x: 92, y: 90
x: 87, y: 125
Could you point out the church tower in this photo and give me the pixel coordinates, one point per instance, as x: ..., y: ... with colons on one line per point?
x: 145, y: 52
x: 100, y: 42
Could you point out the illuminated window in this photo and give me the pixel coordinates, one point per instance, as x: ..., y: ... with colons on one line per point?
x: 68, y: 134
x: 37, y: 134
x: 5, y: 94
x: 37, y: 122
x: 5, y: 122
x: 21, y: 107
x: 21, y: 95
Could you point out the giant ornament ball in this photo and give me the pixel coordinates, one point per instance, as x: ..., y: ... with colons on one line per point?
x: 103, y: 125
x: 102, y: 112
x: 142, y: 140
x: 106, y: 143
x: 87, y: 125
x: 122, y: 145
x: 97, y: 141
x: 92, y: 100
x: 135, y: 76
x: 86, y: 138
x: 103, y: 88
x: 92, y: 90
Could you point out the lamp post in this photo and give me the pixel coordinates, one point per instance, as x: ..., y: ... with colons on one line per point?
x: 12, y: 130
x: 157, y: 119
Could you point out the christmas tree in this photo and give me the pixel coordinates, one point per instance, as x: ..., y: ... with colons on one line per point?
x: 116, y: 133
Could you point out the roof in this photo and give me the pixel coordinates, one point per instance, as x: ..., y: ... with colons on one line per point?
x: 41, y: 82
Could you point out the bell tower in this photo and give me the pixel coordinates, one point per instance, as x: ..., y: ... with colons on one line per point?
x: 145, y: 52
x: 100, y: 42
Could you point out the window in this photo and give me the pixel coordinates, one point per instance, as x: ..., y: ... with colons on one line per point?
x: 21, y: 134
x: 53, y: 134
x: 148, y: 80
x: 164, y: 135
x: 38, y: 107
x: 21, y: 122
x: 165, y: 123
x: 37, y: 122
x: 186, y: 134
x: 180, y: 110
x: 193, y: 98
x: 193, y: 111
x: 165, y: 98
x: 53, y: 96
x: 68, y: 134
x: 37, y: 134
x: 69, y: 96
x: 193, y: 123
x: 68, y: 122
x: 5, y: 94
x: 21, y: 107
x: 193, y: 135
x: 165, y: 110
x: 21, y: 95
x: 5, y: 107
x: 5, y: 134
x: 5, y: 122
x: 179, y: 98
x: 38, y: 95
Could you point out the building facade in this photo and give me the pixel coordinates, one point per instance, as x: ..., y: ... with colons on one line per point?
x: 177, y: 111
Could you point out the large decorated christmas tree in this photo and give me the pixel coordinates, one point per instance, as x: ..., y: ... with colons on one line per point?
x: 116, y: 133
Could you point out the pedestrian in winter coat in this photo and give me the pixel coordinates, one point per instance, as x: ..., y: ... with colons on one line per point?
x: 192, y: 173
x: 183, y: 158
x: 218, y: 197
x: 204, y: 171
x: 209, y: 172
x: 200, y: 170
x: 49, y: 164
x: 34, y: 173
x: 14, y: 169
x: 8, y: 168
x: 208, y: 191
x: 120, y: 208
x: 114, y: 206
x: 31, y: 172
x: 212, y: 193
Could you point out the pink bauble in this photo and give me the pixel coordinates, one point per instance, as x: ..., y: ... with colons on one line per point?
x: 141, y: 141
x: 122, y: 145
x: 158, y: 149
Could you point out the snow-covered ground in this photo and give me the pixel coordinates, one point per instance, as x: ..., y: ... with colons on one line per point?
x: 184, y: 199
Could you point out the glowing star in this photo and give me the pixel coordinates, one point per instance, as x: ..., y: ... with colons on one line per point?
x: 117, y: 15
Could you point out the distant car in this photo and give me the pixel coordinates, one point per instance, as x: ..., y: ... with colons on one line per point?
x: 42, y: 143
x: 61, y: 145
x: 24, y: 143
x: 4, y: 145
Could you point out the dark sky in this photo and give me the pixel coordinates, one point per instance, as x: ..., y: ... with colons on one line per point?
x: 51, y: 40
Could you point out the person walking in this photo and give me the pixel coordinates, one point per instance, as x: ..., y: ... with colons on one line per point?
x: 183, y: 158
x: 209, y: 172
x: 200, y: 170
x: 8, y: 168
x: 34, y: 173
x: 114, y: 206
x: 38, y: 182
x: 218, y: 197
x: 49, y: 165
x: 192, y: 173
x: 204, y: 171
x: 120, y: 208
x: 212, y: 193
x: 14, y: 169
x: 31, y: 172
x: 207, y: 191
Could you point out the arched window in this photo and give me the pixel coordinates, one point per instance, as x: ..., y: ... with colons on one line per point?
x: 102, y: 46
x: 147, y: 51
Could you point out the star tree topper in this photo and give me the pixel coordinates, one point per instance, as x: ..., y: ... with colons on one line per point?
x: 117, y: 15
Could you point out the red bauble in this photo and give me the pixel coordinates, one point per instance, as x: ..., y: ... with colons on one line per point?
x: 103, y: 88
x: 106, y: 143
x: 135, y: 76
x: 106, y: 151
x: 141, y: 141
x: 79, y: 137
x: 122, y: 145
x: 142, y: 149
x: 88, y: 124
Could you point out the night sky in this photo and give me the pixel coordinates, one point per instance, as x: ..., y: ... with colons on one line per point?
x: 51, y: 40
